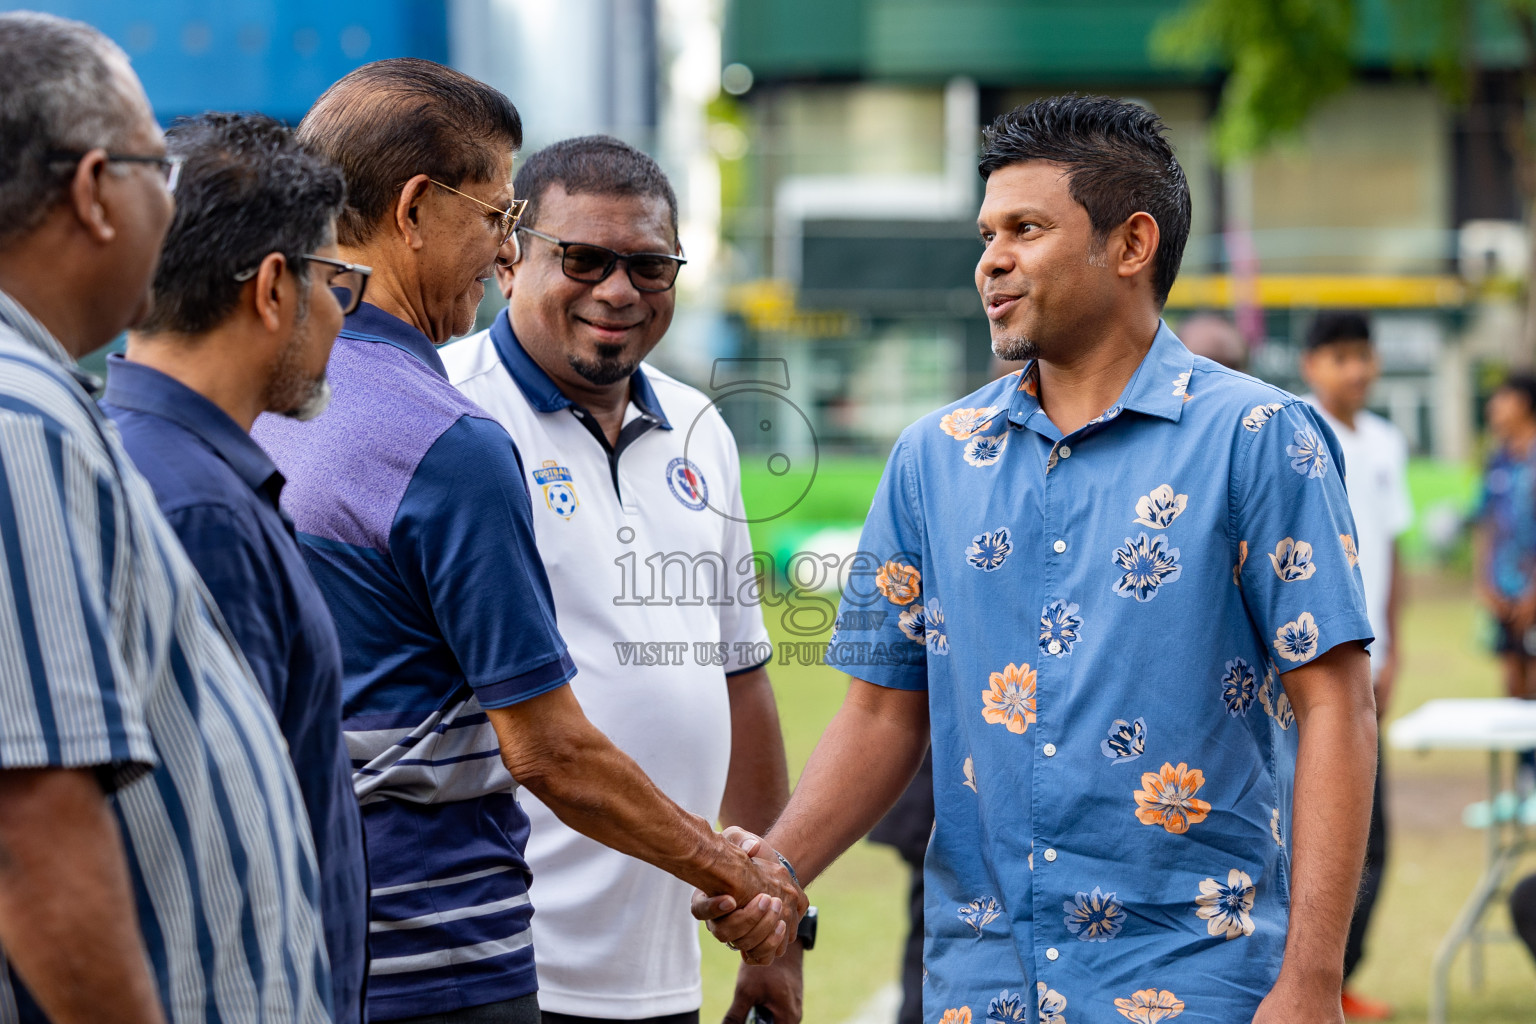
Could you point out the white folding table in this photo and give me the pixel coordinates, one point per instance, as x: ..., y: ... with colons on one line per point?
x: 1502, y: 726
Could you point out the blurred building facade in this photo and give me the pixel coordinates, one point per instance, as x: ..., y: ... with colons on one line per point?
x: 827, y: 185
x: 850, y: 208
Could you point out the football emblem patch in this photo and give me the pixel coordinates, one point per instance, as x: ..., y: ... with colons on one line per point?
x: 559, y: 491
x: 687, y: 484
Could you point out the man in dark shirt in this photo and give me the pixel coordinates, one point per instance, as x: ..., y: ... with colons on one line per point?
x: 248, y: 298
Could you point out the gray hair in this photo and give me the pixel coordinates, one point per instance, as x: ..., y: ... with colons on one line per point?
x: 61, y: 92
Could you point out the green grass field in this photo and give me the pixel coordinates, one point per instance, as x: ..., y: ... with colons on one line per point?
x: 1435, y: 860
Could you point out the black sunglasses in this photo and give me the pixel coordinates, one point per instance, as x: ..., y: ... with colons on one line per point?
x: 348, y: 281
x: 591, y: 264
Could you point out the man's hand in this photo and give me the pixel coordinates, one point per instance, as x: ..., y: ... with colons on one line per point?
x: 776, y: 987
x: 1303, y: 1002
x: 762, y: 928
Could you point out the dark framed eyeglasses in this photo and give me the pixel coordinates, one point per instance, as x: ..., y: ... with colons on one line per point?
x: 170, y: 166
x: 591, y: 264
x: 347, y: 282
x: 506, y: 220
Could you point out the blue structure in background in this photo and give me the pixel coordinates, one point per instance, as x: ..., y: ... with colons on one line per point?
x: 275, y: 56
x: 272, y: 56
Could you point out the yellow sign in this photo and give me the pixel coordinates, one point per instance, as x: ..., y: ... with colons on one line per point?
x: 768, y: 306
x: 1321, y: 291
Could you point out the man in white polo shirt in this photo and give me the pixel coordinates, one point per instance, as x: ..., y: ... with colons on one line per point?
x: 638, y: 516
x: 1340, y: 365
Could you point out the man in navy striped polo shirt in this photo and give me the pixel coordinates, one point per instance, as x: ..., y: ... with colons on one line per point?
x: 155, y: 859
x: 411, y: 510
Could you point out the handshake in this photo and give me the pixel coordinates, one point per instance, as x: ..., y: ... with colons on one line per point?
x: 761, y: 914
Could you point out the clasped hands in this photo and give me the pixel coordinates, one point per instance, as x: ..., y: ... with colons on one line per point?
x: 762, y: 927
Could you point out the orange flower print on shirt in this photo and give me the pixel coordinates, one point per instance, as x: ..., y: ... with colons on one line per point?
x: 961, y: 1015
x: 1242, y: 556
x: 1011, y: 699
x: 901, y: 584
x: 1167, y: 798
x: 1150, y: 1006
x: 1350, y: 553
x: 962, y: 423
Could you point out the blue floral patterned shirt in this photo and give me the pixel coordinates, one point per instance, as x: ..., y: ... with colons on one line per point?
x: 1507, y: 507
x: 1101, y: 621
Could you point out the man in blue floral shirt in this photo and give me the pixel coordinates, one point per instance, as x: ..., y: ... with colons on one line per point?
x: 1120, y: 596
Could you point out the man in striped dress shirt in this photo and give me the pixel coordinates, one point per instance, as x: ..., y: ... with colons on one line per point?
x: 155, y: 857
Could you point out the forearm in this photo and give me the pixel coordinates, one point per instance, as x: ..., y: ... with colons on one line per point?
x: 1335, y: 772
x: 551, y: 748
x: 757, y: 786
x: 865, y: 759
x: 67, y: 916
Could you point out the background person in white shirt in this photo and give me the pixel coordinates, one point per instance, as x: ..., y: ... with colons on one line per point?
x: 1340, y: 365
x: 638, y: 517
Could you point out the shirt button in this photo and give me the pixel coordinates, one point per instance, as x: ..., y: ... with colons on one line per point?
x: 1050, y: 855
x: 1054, y: 647
x: 1052, y: 953
x: 1049, y: 750
x: 1064, y: 451
x: 1059, y: 546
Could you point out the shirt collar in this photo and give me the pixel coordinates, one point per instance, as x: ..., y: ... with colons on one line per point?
x: 540, y: 390
x: 1159, y: 387
x: 370, y: 323
x: 144, y: 389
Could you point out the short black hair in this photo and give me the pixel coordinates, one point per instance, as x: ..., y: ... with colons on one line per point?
x: 1338, y: 325
x: 1522, y: 383
x: 61, y: 93
x: 388, y: 121
x: 595, y: 165
x: 247, y: 188
x: 1118, y: 163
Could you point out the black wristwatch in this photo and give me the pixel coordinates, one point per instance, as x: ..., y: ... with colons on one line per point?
x: 805, y: 934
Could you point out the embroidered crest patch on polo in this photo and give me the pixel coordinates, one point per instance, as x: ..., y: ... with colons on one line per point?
x: 559, y: 491
x: 687, y: 484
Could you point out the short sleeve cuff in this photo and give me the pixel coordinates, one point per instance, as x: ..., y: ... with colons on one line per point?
x: 899, y: 665
x: 1341, y: 628
x: 541, y: 680
x: 733, y: 673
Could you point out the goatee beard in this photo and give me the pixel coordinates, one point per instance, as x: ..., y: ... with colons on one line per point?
x: 314, y: 403
x: 1015, y: 349
x: 604, y: 370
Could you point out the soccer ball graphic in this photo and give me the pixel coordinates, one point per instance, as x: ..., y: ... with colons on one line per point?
x: 562, y: 499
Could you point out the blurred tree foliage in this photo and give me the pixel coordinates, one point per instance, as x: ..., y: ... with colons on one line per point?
x: 1283, y: 58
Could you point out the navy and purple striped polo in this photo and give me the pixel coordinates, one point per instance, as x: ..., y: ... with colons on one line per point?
x: 411, y: 512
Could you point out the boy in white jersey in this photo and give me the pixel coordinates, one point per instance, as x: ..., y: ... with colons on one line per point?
x: 1340, y: 365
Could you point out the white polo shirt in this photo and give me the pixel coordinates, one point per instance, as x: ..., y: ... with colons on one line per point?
x: 648, y: 558
x: 1376, y: 477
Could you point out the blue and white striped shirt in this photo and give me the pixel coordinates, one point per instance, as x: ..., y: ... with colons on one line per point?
x: 113, y: 657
